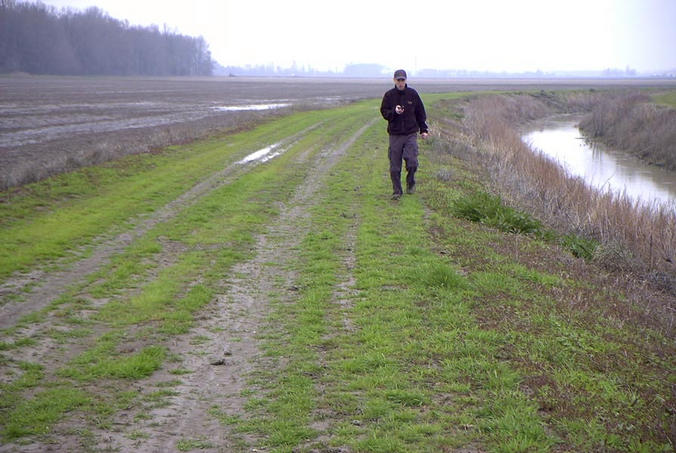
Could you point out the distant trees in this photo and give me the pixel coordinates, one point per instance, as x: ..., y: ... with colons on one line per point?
x: 38, y: 39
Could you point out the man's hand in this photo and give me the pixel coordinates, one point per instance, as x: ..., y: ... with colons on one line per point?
x: 399, y: 109
x: 424, y: 135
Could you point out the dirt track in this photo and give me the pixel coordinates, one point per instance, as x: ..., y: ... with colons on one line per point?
x: 242, y: 312
x: 47, y: 286
x: 239, y: 312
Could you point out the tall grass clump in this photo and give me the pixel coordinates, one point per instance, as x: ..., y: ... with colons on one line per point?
x: 490, y: 210
x: 631, y: 236
x: 632, y: 122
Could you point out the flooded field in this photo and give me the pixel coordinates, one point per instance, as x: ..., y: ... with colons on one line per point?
x: 53, y: 124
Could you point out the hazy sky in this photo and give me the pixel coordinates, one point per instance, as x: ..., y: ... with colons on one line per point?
x: 499, y: 35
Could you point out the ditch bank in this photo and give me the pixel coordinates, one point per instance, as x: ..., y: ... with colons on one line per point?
x: 624, y: 237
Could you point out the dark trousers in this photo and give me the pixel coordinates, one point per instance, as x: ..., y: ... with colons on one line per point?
x: 403, y: 147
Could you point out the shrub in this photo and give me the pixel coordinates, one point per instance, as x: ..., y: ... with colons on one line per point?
x: 614, y: 256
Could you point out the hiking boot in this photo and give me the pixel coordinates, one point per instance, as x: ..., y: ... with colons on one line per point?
x: 396, y: 196
x: 410, y: 189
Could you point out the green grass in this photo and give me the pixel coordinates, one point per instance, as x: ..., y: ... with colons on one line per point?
x: 38, y: 414
x: 482, y: 207
x: 489, y: 209
x: 161, y: 300
x: 413, y: 308
x: 569, y: 356
x: 103, y: 363
x: 463, y: 326
x: 668, y: 98
x: 490, y: 357
x: 5, y: 346
x: 47, y: 219
x: 193, y: 444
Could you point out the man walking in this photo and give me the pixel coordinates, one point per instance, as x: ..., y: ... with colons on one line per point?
x: 405, y: 114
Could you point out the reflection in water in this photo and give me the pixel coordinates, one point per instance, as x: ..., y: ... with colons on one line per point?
x: 239, y: 108
x: 262, y: 155
x: 603, y: 168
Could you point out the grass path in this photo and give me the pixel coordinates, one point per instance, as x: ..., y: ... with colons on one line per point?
x: 292, y: 306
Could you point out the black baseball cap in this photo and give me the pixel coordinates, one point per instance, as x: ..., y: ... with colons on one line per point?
x: 399, y: 74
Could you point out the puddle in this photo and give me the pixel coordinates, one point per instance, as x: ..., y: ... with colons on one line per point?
x: 262, y: 155
x: 239, y: 108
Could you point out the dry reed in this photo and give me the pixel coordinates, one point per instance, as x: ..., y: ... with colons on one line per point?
x: 629, y: 121
x: 633, y: 237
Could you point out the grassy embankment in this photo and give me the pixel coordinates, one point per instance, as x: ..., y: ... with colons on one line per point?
x: 414, y: 329
x: 453, y: 335
x: 624, y: 235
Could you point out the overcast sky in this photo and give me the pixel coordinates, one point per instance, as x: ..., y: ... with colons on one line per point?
x: 495, y: 35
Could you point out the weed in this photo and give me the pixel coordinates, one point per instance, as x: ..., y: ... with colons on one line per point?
x: 580, y: 247
x: 37, y: 415
x: 193, y: 444
x: 488, y: 209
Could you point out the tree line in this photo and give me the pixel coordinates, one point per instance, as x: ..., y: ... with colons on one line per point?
x: 39, y: 39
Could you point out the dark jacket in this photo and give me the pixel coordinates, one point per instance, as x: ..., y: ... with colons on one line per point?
x: 414, y: 116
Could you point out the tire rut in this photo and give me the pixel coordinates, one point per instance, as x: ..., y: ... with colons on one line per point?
x: 49, y: 285
x: 233, y: 323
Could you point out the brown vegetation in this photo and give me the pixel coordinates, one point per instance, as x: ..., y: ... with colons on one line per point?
x: 630, y: 121
x: 634, y: 238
